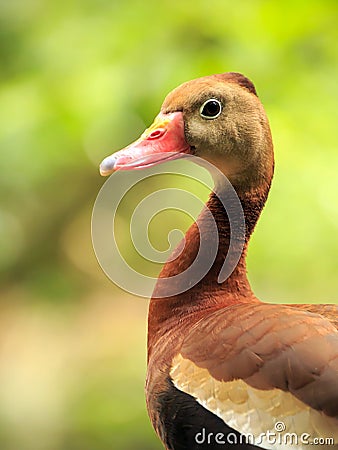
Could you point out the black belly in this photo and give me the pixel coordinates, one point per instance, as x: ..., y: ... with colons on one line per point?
x: 186, y: 425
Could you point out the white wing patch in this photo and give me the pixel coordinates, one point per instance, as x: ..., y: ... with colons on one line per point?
x: 254, y: 411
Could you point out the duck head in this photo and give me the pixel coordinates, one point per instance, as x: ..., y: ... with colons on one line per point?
x: 218, y: 118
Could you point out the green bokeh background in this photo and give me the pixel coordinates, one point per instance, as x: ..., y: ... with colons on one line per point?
x: 82, y: 78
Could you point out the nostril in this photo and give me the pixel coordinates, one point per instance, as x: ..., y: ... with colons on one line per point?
x: 156, y: 133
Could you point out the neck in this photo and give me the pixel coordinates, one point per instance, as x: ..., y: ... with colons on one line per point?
x: 208, y: 293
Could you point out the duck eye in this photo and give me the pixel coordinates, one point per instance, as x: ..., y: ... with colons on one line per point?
x: 211, y: 109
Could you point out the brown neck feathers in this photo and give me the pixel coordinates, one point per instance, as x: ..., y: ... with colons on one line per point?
x: 207, y: 293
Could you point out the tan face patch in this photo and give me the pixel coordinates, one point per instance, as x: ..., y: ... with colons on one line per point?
x: 251, y: 410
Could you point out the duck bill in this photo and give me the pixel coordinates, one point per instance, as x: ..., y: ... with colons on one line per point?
x: 164, y: 140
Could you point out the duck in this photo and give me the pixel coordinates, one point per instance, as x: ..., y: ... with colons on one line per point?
x: 225, y: 369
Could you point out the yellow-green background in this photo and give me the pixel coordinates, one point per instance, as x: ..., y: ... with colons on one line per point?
x: 82, y: 78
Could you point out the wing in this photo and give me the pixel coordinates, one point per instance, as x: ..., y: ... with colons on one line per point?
x: 257, y: 365
x: 328, y: 311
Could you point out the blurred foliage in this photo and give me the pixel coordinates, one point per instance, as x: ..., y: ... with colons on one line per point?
x: 79, y: 79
